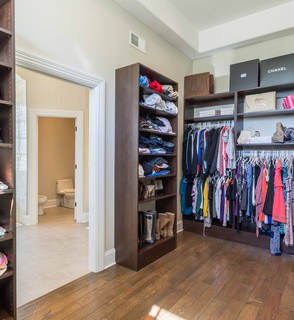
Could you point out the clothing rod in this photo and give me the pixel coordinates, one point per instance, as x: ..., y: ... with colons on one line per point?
x: 275, y: 153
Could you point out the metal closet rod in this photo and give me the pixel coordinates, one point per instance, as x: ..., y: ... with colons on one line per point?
x: 209, y: 123
x: 264, y: 153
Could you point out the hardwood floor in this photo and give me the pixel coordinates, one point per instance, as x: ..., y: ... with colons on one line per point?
x: 204, y: 278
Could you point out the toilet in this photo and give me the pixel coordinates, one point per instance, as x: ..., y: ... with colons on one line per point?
x: 67, y: 192
x: 41, y: 201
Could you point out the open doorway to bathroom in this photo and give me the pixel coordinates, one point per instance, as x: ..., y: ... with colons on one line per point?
x: 52, y: 144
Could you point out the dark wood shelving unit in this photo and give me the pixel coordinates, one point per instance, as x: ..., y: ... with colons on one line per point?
x: 7, y: 155
x: 129, y: 93
x: 246, y: 234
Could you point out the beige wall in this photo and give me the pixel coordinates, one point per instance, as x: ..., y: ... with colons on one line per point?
x: 93, y: 36
x: 44, y: 92
x: 56, y: 158
x: 219, y: 64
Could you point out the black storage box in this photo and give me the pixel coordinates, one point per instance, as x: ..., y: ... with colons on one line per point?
x: 244, y: 75
x: 277, y: 70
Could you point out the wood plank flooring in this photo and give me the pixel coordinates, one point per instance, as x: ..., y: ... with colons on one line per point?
x: 204, y: 278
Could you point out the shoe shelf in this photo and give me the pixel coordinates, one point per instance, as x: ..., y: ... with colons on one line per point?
x: 5, y: 103
x: 8, y: 191
x: 129, y: 94
x: 7, y: 274
x: 4, y: 315
x: 6, y: 145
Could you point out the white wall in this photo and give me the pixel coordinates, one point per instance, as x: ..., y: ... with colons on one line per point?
x: 219, y: 64
x: 92, y: 36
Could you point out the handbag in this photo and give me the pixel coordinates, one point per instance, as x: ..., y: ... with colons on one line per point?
x: 260, y: 102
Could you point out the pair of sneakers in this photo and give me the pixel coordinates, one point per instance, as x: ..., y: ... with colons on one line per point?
x: 158, y: 187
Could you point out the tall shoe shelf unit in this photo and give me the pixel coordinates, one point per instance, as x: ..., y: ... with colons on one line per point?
x: 7, y: 211
x: 236, y: 100
x: 127, y: 157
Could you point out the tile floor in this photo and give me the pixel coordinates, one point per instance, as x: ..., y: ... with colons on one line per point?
x: 50, y: 254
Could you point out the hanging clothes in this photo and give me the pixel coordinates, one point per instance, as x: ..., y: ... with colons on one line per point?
x: 289, y: 214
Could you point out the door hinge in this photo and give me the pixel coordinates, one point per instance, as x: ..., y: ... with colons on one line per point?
x: 75, y: 204
x: 76, y: 166
x: 76, y: 128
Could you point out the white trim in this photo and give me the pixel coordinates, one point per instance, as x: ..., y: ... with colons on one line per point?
x: 180, y: 227
x: 96, y: 152
x: 52, y: 203
x: 109, y: 258
x: 85, y: 217
x: 34, y: 114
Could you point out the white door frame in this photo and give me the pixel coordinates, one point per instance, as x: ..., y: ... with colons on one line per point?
x: 96, y: 147
x: 33, y: 165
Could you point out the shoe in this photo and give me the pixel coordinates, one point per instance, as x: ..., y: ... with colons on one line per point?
x: 164, y: 220
x: 170, y: 225
x: 141, y: 229
x: 160, y: 187
x: 157, y: 230
x: 150, y: 225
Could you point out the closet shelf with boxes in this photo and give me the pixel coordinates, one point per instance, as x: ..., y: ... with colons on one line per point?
x: 146, y: 166
x: 262, y: 119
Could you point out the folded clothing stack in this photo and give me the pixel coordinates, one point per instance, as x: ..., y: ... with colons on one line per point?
x: 3, y: 263
x: 155, y: 166
x: 155, y: 101
x: 169, y: 91
x: 165, y: 89
x: 159, y: 124
x: 155, y: 145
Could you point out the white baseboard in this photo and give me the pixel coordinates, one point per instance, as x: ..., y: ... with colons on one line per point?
x: 180, y: 226
x: 109, y: 258
x: 52, y: 203
x: 84, y: 218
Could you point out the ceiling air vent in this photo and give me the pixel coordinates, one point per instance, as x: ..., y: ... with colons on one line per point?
x: 137, y: 42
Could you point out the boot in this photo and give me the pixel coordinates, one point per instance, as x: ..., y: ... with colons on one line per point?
x: 150, y: 224
x: 164, y: 220
x: 170, y: 225
x: 157, y: 230
x: 141, y: 229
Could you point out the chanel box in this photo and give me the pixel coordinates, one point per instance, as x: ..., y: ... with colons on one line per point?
x: 277, y: 70
x: 244, y: 75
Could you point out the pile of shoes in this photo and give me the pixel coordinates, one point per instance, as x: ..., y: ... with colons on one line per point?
x: 153, y: 226
x: 150, y: 190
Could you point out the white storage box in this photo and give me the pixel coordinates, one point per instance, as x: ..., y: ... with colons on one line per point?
x: 260, y: 140
x: 209, y: 113
x: 226, y: 111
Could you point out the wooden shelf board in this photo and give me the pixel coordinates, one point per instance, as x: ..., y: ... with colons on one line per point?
x: 211, y: 97
x: 6, y: 145
x: 6, y: 103
x: 266, y: 113
x: 279, y: 87
x: 8, y: 191
x: 214, y: 118
x: 6, y: 237
x: 7, y: 274
x: 158, y: 154
x: 147, y: 90
x: 159, y: 177
x: 157, y: 243
x: 157, y: 111
x: 4, y: 65
x: 5, y: 315
x: 157, y: 133
x: 157, y: 198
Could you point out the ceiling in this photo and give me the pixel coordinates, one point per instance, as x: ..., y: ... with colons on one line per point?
x: 201, y: 27
x: 205, y: 14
